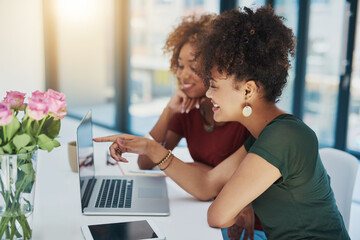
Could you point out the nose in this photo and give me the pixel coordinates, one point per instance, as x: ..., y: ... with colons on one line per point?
x: 209, y: 93
x: 184, y: 74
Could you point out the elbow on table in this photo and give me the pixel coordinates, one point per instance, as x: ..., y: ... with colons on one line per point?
x: 204, y: 198
x: 208, y: 190
x: 215, y: 220
x: 205, y: 195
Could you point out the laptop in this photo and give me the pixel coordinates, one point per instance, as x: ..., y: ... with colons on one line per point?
x: 115, y: 195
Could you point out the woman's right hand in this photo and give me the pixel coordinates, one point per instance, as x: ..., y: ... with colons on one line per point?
x: 180, y: 102
x: 122, y: 143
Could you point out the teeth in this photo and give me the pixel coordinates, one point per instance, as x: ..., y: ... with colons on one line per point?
x: 215, y: 105
x: 187, y: 85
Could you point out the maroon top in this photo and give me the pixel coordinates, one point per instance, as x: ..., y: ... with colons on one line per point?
x: 213, y: 147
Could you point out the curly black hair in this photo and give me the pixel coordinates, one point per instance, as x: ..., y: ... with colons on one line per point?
x: 252, y: 45
x: 186, y: 32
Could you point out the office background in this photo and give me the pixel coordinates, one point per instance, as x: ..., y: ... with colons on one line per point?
x: 107, y: 55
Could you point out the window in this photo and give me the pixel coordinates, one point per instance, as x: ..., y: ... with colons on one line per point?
x: 323, y: 68
x: 353, y: 136
x: 289, y: 10
x: 84, y: 40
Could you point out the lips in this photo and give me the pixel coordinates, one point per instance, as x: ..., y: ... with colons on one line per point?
x: 215, y: 106
x: 187, y: 86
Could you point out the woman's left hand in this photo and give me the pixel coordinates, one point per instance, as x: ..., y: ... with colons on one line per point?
x: 245, y: 222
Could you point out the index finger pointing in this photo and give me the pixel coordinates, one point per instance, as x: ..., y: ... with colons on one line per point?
x: 111, y: 138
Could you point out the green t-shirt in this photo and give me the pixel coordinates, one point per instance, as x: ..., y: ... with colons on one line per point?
x: 301, y: 204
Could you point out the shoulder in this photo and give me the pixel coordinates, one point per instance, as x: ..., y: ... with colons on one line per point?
x: 287, y: 142
x: 290, y: 129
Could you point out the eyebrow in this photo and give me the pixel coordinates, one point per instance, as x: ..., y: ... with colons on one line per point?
x: 191, y: 60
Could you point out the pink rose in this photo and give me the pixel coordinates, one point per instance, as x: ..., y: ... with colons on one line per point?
x: 37, y: 107
x: 56, y: 103
x: 15, y: 99
x: 38, y: 94
x: 5, y: 114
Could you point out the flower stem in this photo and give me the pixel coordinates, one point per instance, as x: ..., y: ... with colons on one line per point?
x: 41, y: 124
x: 4, y: 132
x: 13, y: 214
x: 13, y: 228
x: 28, y: 123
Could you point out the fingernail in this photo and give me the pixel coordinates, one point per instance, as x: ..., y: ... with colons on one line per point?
x: 187, y: 111
x: 197, y: 106
x: 182, y: 110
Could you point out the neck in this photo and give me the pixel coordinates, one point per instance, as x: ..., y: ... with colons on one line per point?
x: 208, y: 112
x: 207, y: 105
x: 260, y: 117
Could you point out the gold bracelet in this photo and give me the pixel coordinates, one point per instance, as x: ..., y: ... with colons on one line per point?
x: 164, y: 160
x: 172, y: 157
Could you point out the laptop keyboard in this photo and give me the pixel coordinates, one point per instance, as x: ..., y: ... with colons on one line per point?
x: 115, y: 193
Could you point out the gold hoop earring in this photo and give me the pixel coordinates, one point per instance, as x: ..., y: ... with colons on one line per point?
x: 247, y: 110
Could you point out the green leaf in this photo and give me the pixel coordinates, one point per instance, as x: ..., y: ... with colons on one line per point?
x: 52, y: 128
x: 27, y: 168
x: 25, y: 178
x: 47, y: 143
x: 30, y: 126
x: 56, y: 143
x: 1, y: 151
x: 27, y: 149
x: 9, y: 148
x: 12, y: 128
x: 21, y: 140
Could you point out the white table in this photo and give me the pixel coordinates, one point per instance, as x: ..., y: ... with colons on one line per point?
x: 57, y: 213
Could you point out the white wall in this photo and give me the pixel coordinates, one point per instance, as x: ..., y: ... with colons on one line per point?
x: 21, y: 46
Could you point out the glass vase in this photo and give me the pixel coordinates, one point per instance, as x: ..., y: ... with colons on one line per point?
x: 17, y: 188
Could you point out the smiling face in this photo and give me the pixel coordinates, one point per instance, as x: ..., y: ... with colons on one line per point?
x: 191, y: 83
x: 227, y: 100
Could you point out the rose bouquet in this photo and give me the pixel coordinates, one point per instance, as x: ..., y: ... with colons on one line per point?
x: 24, y: 128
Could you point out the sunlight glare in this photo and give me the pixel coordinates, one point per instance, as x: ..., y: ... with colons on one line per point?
x: 75, y: 10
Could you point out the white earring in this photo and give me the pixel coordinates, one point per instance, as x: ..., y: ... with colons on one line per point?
x: 247, y: 110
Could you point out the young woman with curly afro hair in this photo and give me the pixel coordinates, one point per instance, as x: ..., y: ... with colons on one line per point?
x: 244, y: 59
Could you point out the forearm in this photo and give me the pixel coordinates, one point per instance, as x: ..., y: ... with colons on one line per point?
x: 198, y: 181
x: 252, y: 177
x: 145, y: 163
x: 158, y: 132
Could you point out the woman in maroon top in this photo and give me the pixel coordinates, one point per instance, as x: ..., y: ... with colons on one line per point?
x: 189, y: 114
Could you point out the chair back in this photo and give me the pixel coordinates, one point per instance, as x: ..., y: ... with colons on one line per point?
x: 342, y: 168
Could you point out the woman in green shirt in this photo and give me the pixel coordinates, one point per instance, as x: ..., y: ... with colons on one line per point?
x: 244, y: 57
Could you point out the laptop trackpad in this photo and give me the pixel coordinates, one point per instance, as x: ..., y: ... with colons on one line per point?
x: 150, y: 193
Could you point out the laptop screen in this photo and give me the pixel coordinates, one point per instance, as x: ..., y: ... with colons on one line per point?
x: 85, y: 147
